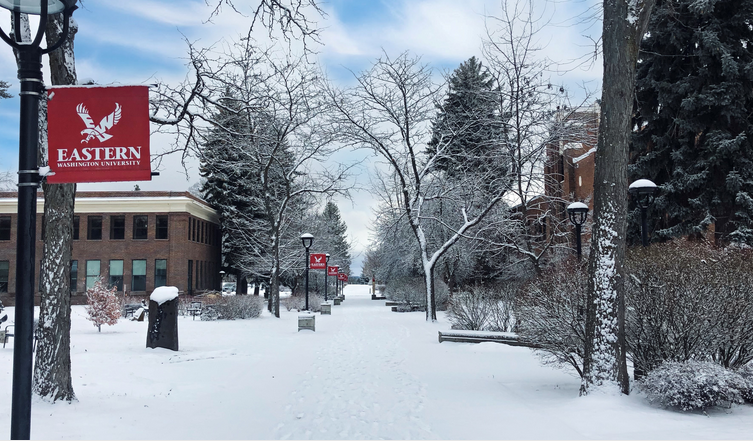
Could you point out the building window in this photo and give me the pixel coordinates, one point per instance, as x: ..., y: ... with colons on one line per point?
x: 139, y: 276
x: 76, y: 223
x: 74, y: 276
x: 160, y: 272
x: 190, y: 277
x: 189, y: 229
x: 203, y: 229
x: 161, y: 232
x: 94, y: 227
x: 4, y: 228
x: 193, y: 229
x: 117, y: 227
x: 4, y: 266
x: 92, y: 272
x: 140, y: 226
x: 116, y: 274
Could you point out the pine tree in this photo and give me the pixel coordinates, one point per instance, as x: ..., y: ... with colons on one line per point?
x: 335, y: 235
x: 4, y: 89
x: 103, y: 306
x: 467, y: 127
x: 694, y: 133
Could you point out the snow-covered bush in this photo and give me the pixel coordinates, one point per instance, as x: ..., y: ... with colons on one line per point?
x: 412, y: 290
x: 693, y: 385
x: 552, y: 313
x: 468, y: 311
x: 747, y: 374
x: 232, y: 307
x: 501, y: 299
x: 688, y: 300
x: 103, y: 305
x: 298, y: 302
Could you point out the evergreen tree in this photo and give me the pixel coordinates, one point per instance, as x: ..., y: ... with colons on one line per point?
x: 4, y: 90
x: 692, y: 119
x: 467, y: 127
x: 335, y: 237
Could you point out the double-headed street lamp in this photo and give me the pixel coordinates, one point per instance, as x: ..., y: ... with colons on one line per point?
x: 307, y: 240
x: 32, y: 91
x: 578, y: 213
x: 643, y: 191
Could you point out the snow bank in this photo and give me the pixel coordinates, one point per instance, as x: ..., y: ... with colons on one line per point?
x: 161, y: 295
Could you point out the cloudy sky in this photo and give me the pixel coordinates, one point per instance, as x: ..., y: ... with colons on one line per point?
x: 144, y: 41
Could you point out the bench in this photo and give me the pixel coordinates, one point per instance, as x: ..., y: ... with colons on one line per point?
x: 130, y: 309
x: 194, y: 309
x: 7, y: 334
x: 472, y: 336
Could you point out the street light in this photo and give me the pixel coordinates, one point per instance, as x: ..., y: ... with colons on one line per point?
x: 578, y: 213
x: 326, y: 271
x: 32, y: 91
x: 643, y: 191
x: 307, y: 240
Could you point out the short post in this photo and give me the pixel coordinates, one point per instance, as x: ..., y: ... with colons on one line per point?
x: 163, y: 318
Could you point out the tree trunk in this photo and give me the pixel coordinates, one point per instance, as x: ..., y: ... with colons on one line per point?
x: 431, y: 303
x: 605, y: 354
x: 52, y: 368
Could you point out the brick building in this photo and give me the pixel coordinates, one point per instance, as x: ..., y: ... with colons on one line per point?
x: 135, y: 240
x: 569, y: 168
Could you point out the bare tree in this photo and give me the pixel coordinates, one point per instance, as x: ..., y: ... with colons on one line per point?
x: 6, y: 181
x: 390, y: 111
x: 535, y: 114
x: 605, y: 364
x: 281, y: 149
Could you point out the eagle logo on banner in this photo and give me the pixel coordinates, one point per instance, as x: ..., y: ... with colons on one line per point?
x: 99, y: 132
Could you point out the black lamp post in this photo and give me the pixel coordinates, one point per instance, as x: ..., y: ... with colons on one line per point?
x: 578, y: 213
x: 32, y: 90
x: 307, y: 240
x: 643, y: 191
x: 326, y: 271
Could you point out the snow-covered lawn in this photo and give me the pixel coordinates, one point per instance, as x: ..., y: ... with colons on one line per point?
x: 366, y: 373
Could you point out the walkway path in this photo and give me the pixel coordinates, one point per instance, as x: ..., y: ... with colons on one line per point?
x: 358, y: 386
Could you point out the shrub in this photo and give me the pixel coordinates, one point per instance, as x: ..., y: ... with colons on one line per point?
x: 688, y: 300
x: 231, y: 307
x: 412, y: 290
x: 298, y: 302
x: 747, y: 374
x: 693, y: 385
x: 103, y: 306
x: 468, y: 311
x: 552, y: 312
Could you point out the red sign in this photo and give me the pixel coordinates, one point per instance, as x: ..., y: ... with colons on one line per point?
x: 332, y: 270
x: 318, y: 261
x: 342, y: 277
x: 98, y: 134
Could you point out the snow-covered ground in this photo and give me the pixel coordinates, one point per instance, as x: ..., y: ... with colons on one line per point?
x: 366, y: 373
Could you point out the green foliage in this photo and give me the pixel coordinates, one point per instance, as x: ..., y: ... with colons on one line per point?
x: 693, y: 132
x: 4, y: 86
x: 467, y: 129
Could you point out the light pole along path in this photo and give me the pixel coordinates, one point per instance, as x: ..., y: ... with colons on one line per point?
x: 357, y: 386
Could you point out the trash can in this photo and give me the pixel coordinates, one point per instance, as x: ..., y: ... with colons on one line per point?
x: 306, y: 321
x: 326, y: 308
x: 163, y: 319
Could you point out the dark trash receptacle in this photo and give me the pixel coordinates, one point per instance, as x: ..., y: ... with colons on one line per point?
x: 163, y: 325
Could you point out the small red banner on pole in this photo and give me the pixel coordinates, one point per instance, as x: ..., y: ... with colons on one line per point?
x: 342, y: 277
x: 318, y: 261
x: 333, y: 270
x: 98, y: 134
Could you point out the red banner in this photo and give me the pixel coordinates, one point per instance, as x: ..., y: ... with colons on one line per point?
x: 98, y: 134
x: 342, y: 277
x: 318, y: 261
x: 333, y: 270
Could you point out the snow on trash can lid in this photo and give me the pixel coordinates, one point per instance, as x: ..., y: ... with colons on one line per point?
x: 161, y: 295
